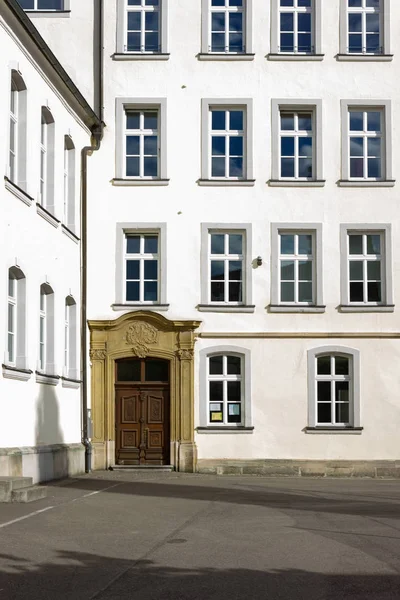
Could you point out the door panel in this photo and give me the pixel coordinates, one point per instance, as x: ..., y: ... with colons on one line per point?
x: 142, y: 424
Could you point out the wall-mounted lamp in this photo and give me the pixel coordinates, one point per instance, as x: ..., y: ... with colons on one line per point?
x: 259, y: 261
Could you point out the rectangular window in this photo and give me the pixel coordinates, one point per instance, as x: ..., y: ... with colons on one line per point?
x: 365, y: 143
x: 227, y: 139
x: 143, y: 25
x: 296, y: 145
x: 365, y: 267
x: 43, y: 161
x: 66, y: 338
x: 12, y: 319
x: 364, y: 26
x: 46, y: 5
x: 226, y: 267
x: 46, y: 181
x: 225, y: 393
x: 13, y: 156
x: 142, y: 143
x: 296, y: 26
x: 333, y: 393
x: 142, y: 268
x: 296, y: 267
x: 227, y: 26
x: 42, y: 331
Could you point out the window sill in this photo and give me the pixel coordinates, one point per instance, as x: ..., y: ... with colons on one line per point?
x: 74, y: 384
x: 227, y: 182
x: 365, y: 183
x: 18, y: 192
x: 123, y: 182
x: 65, y: 14
x: 336, y: 430
x: 295, y: 57
x: 290, y: 308
x: 139, y: 306
x: 140, y: 56
x: 224, y: 56
x: 354, y: 308
x: 364, y: 57
x: 47, y: 216
x: 16, y: 373
x: 226, y: 308
x: 47, y: 379
x: 296, y: 183
x: 225, y: 429
x: 69, y: 233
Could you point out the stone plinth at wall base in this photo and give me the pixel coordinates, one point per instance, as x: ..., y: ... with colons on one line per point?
x: 43, y: 463
x: 376, y: 469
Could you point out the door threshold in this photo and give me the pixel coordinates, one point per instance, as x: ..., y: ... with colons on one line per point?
x: 142, y: 468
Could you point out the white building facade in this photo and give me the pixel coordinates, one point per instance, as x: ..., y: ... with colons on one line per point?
x: 45, y: 124
x: 243, y: 235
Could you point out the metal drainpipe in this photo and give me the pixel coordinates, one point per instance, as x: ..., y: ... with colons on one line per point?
x: 97, y: 134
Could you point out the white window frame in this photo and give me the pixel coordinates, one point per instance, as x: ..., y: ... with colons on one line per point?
x: 140, y: 258
x: 46, y: 193
x: 246, y: 305
x: 65, y: 8
x: 18, y: 173
x: 206, y: 52
x: 69, y: 184
x: 122, y: 25
x: 344, y: 54
x: 385, y: 107
x: 316, y: 18
x: 70, y: 339
x: 245, y: 105
x: 45, y: 363
x: 18, y: 302
x: 297, y: 134
x: 297, y: 106
x: 353, y: 356
x: 385, y: 231
x: 245, y: 355
x: 314, y: 229
x: 124, y: 105
x: 122, y: 231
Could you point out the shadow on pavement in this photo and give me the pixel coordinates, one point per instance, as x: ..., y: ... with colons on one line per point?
x: 78, y: 576
x: 270, y: 498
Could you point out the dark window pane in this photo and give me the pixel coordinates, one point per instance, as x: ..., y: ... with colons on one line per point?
x: 305, y: 146
x: 151, y: 244
x: 342, y: 391
x: 287, y: 42
x: 236, y: 120
x: 218, y: 120
x: 324, y: 365
x: 150, y: 167
x: 128, y: 370
x: 341, y: 365
x: 356, y: 167
x: 235, y: 42
x: 324, y: 391
x: 27, y: 4
x: 373, y: 43
x: 218, y: 42
x: 355, y: 22
x: 134, y: 21
x: 151, y: 21
x: 287, y: 122
x: 287, y: 146
x: 342, y: 413
x: 287, y: 244
x: 235, y: 270
x: 356, y: 292
x: 150, y: 145
x: 132, y: 145
x: 234, y: 413
x: 132, y: 167
x: 356, y: 146
x: 236, y: 146
x: 215, y: 365
x: 217, y: 292
x: 236, y: 167
x: 305, y: 244
x: 215, y: 391
x: 218, y: 21
x: 305, y: 122
x: 133, y: 42
x: 218, y: 167
x: 132, y: 291
x: 132, y: 269
x: 355, y: 244
x: 150, y: 291
x: 373, y: 244
x: 133, y: 244
x: 304, y: 22
x: 287, y: 292
x: 150, y: 269
x: 235, y: 292
x: 287, y: 167
x: 235, y: 243
x: 356, y: 270
x: 236, y: 22
x: 217, y: 243
x: 50, y: 4
x: 305, y: 167
x: 304, y: 42
x: 374, y: 147
x: 355, y: 42
x: 324, y: 413
x: 132, y: 120
x: 234, y: 365
x: 150, y: 120
x: 234, y: 391
x: 356, y: 121
x: 217, y: 270
x: 156, y: 370
x: 287, y: 270
x: 218, y: 145
x: 373, y: 120
x: 374, y: 270
x: 374, y: 167
x: 287, y: 22
x: 374, y: 292
x: 305, y: 292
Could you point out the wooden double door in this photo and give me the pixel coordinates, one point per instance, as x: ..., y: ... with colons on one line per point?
x: 142, y: 412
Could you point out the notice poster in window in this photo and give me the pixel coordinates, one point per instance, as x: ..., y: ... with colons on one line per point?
x: 215, y: 407
x: 216, y: 416
x: 234, y: 410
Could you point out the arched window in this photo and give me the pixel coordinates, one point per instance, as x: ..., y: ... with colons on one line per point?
x: 225, y: 394
x: 69, y: 183
x: 334, y: 387
x: 17, y: 141
x: 46, y: 189
x: 46, y: 330
x: 70, y: 339
x: 16, y: 319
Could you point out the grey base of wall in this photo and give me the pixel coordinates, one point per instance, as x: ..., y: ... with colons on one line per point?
x: 43, y: 463
x: 302, y: 468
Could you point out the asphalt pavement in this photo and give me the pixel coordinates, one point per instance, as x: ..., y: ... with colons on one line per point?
x: 170, y: 536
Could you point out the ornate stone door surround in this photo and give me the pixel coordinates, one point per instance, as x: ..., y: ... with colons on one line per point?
x: 143, y: 334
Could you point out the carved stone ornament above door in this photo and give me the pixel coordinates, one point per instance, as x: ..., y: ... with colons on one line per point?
x: 140, y: 335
